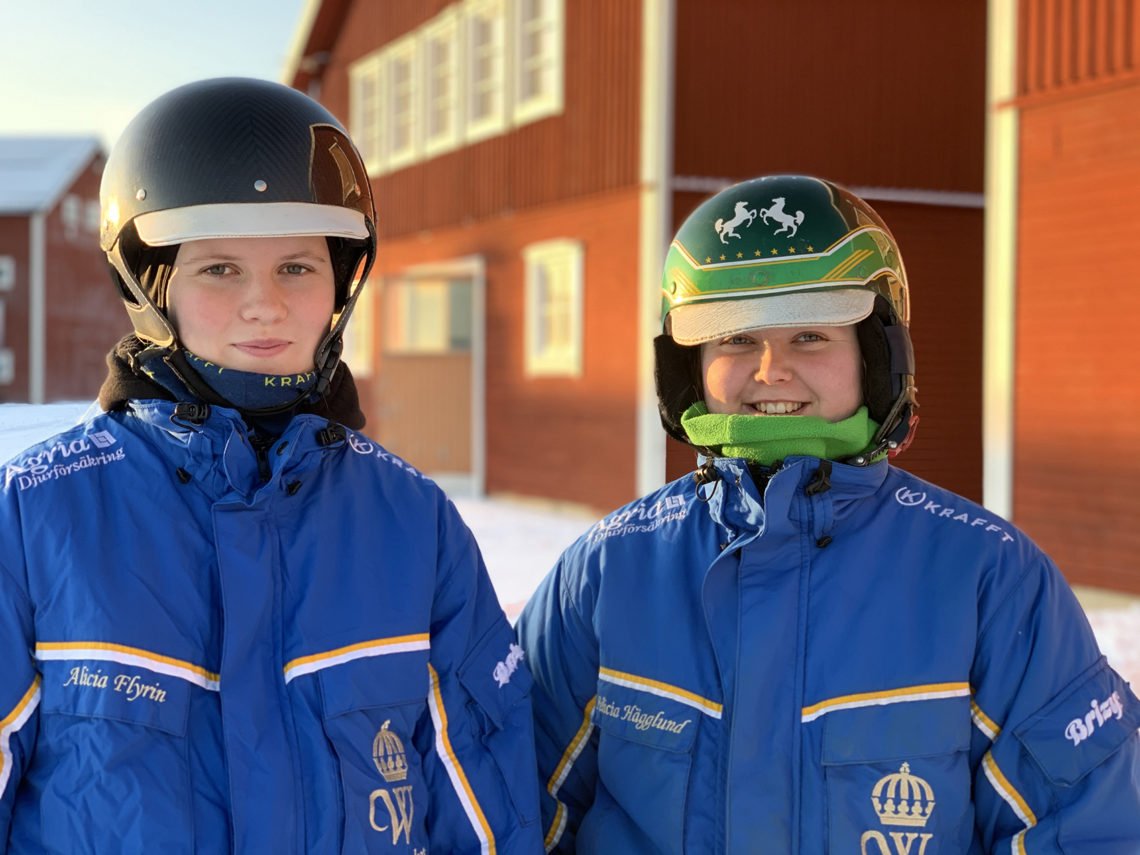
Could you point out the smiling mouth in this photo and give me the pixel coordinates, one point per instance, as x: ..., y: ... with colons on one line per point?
x: 776, y: 408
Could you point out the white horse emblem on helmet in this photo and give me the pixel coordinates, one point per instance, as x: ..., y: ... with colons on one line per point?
x: 740, y: 215
x: 787, y: 221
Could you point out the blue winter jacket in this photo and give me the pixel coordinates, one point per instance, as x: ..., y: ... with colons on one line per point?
x: 856, y: 663
x: 210, y: 649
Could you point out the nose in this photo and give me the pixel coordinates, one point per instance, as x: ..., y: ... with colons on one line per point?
x: 264, y: 300
x: 774, y: 366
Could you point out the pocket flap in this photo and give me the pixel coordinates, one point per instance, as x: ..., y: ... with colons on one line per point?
x: 907, y: 729
x: 495, y: 673
x: 384, y: 680
x: 116, y: 691
x: 1079, y: 730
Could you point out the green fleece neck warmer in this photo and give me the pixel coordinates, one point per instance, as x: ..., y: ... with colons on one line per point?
x: 766, y: 439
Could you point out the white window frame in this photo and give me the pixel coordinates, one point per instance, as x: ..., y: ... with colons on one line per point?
x: 547, y: 102
x: 71, y: 213
x: 7, y: 272
x: 495, y: 122
x: 542, y: 360
x: 91, y: 216
x: 364, y: 110
x: 444, y: 28
x: 401, y: 51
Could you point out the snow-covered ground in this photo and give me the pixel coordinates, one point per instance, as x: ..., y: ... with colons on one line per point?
x: 520, y: 542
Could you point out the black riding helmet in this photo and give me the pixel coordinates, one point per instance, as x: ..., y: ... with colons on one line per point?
x: 232, y: 157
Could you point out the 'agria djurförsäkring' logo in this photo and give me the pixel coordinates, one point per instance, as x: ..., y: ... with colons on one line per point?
x: 392, y: 762
x: 63, y: 459
x: 901, y: 800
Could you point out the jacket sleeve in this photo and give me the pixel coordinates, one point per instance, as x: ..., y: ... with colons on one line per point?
x: 1056, y: 748
x: 19, y: 696
x: 556, y: 629
x: 478, y: 752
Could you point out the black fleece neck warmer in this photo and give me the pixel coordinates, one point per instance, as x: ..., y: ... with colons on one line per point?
x: 127, y: 380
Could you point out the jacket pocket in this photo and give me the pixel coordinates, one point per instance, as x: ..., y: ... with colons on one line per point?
x: 371, y: 709
x: 497, y: 681
x: 111, y: 735
x: 645, y: 747
x: 1097, y: 713
x: 898, y: 778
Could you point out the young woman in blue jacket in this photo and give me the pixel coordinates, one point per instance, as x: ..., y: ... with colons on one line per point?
x: 800, y: 648
x: 229, y: 621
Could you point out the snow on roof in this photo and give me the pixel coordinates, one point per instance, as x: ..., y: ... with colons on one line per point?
x: 35, y: 171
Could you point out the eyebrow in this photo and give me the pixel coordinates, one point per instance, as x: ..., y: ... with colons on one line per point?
x: 198, y: 258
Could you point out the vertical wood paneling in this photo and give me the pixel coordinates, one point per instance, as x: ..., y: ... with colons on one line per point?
x: 1067, y: 43
x: 431, y: 430
x: 876, y: 93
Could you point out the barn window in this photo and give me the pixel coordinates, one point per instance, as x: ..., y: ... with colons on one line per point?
x: 485, y: 60
x: 7, y: 273
x: 554, y: 293
x: 72, y: 215
x: 427, y: 315
x: 400, y: 116
x: 364, y: 110
x: 538, y: 42
x: 441, y: 83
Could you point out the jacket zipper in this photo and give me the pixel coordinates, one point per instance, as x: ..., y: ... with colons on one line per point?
x: 261, y: 446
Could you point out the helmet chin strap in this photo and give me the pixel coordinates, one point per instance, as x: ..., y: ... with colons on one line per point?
x: 897, y: 430
x: 329, y: 350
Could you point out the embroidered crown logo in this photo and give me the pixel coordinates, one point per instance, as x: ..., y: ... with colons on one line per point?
x: 388, y: 755
x: 903, y: 799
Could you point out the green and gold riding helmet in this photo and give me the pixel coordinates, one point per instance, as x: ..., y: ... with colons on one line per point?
x: 788, y: 250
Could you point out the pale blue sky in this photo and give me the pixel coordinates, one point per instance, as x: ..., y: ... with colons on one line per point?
x: 87, y: 66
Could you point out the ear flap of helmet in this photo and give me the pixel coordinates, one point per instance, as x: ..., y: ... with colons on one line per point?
x: 888, y: 374
x: 678, y: 376
x: 878, y: 386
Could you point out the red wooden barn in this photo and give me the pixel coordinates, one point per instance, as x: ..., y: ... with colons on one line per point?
x: 58, y: 312
x: 532, y: 158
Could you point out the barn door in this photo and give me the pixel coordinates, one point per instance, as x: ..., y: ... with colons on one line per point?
x: 428, y: 379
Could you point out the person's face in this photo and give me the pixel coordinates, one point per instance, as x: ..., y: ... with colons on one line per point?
x: 253, y: 304
x: 775, y: 371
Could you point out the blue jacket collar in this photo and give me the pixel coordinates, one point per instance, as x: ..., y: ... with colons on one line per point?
x: 218, y: 450
x: 735, y: 502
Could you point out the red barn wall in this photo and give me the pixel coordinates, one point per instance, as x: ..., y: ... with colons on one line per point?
x: 1077, y: 402
x: 1077, y: 397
